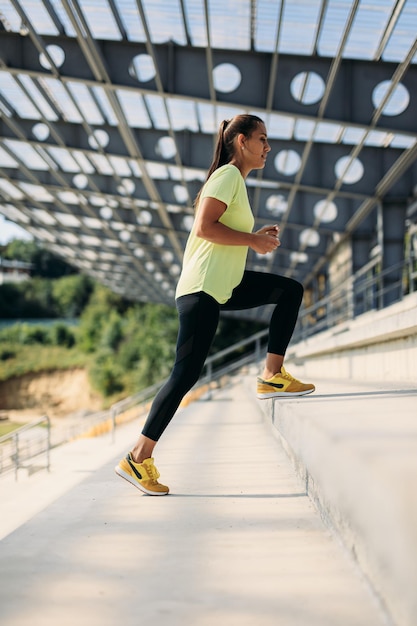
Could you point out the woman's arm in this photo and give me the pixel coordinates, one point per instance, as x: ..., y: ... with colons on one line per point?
x: 208, y: 227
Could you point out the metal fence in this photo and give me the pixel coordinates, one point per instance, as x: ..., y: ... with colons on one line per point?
x: 23, y: 447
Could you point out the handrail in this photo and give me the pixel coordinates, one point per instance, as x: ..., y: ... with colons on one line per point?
x: 23, y: 449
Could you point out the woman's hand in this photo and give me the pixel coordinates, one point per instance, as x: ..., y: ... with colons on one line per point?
x: 266, y: 239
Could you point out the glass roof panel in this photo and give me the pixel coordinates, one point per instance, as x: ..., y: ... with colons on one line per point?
x: 402, y: 141
x: 63, y: 17
x: 60, y: 96
x: 194, y: 11
x: 105, y: 105
x: 299, y: 26
x: 64, y: 158
x: 183, y: 114
x: 205, y: 114
x: 157, y: 170
x: 16, y: 97
x: 69, y: 197
x: 39, y: 17
x: 36, y: 94
x: 403, y: 35
x: 328, y: 132
x: 9, y: 16
x: 164, y: 21
x: 27, y: 154
x: 43, y: 216
x: 353, y: 135
x: 157, y: 111
x: 85, y: 102
x: 304, y: 130
x: 120, y: 166
x: 36, y: 192
x: 6, y: 160
x: 377, y: 138
x: 280, y: 126
x: 8, y: 190
x: 83, y: 162
x: 230, y: 24
x: 134, y: 109
x: 367, y: 29
x: 101, y: 163
x: 100, y: 19
x: 334, y: 24
x: 68, y: 219
x: 130, y: 18
x: 266, y: 27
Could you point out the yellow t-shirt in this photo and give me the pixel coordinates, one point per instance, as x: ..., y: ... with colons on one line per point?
x: 215, y: 268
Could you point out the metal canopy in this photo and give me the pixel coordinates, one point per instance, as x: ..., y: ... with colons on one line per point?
x: 109, y: 109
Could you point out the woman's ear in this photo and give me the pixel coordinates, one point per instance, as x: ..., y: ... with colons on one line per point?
x: 241, y: 141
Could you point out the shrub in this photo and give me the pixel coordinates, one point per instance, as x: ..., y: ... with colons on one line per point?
x: 105, y: 375
x: 61, y: 335
x: 34, y: 334
x: 6, y: 354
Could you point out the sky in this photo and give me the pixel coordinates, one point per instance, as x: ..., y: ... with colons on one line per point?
x: 9, y: 231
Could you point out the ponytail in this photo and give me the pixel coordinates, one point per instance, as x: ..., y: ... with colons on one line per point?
x: 225, y: 143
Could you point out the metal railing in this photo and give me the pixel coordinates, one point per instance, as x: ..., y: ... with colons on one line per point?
x: 19, y: 448
x: 370, y: 289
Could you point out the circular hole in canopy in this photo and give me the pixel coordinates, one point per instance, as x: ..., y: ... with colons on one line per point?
x: 124, y: 235
x: 299, y: 257
x: 165, y: 146
x: 397, y: 102
x: 276, y: 204
x: 188, y: 222
x: 57, y: 55
x: 180, y: 193
x: 349, y: 170
x: 307, y: 87
x: 106, y: 212
x: 158, y: 239
x: 309, y: 237
x: 41, y: 131
x: 287, y: 162
x: 325, y: 211
x: 142, y: 68
x: 226, y: 77
x: 144, y: 218
x: 99, y: 139
x: 80, y: 181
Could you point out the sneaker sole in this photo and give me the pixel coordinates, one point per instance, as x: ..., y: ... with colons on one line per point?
x: 283, y: 394
x: 135, y: 483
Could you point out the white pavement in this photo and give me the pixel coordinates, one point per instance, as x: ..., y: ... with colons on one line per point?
x: 237, y: 543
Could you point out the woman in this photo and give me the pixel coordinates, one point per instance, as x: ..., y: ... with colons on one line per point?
x: 213, y: 278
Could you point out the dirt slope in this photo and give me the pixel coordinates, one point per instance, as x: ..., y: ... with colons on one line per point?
x: 55, y: 393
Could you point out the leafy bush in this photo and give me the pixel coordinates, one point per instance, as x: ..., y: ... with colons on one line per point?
x: 6, y: 354
x: 34, y: 334
x: 61, y: 335
x: 105, y: 375
x: 71, y: 294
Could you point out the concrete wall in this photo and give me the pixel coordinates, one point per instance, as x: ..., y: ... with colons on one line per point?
x: 378, y: 346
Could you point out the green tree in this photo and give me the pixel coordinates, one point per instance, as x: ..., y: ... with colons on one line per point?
x: 71, y: 294
x: 45, y: 263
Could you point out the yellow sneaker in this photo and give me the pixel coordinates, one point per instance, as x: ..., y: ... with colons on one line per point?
x: 282, y: 385
x: 142, y: 475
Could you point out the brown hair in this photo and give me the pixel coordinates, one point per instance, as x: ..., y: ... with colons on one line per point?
x: 243, y: 124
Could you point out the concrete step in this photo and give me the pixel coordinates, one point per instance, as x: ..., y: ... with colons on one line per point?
x: 355, y: 449
x: 238, y: 542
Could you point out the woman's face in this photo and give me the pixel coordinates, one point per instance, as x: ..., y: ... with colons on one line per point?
x: 256, y: 147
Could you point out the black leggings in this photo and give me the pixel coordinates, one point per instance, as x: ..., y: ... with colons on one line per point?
x: 198, y: 318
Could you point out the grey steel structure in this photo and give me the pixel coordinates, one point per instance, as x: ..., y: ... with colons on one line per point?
x: 109, y: 109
